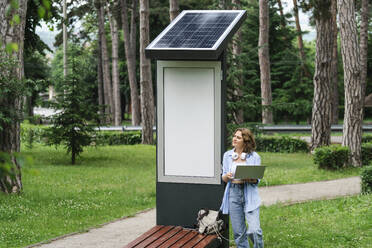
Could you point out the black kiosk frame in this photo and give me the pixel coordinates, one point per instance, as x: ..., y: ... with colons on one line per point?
x: 191, y: 98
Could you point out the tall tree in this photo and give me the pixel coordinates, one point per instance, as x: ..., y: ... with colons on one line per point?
x: 364, y: 43
x: 335, y: 95
x: 64, y: 27
x: 107, y: 89
x: 322, y: 105
x: 299, y: 40
x: 354, y: 92
x: 147, y: 97
x: 174, y: 9
x: 100, y: 77
x: 236, y: 51
x: 12, y: 30
x: 113, y: 15
x: 130, y: 54
x: 264, y: 60
x: 282, y: 18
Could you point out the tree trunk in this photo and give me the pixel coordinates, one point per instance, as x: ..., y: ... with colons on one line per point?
x: 115, y: 65
x: 335, y: 96
x: 300, y: 41
x: 64, y: 27
x: 322, y: 105
x: 147, y: 98
x: 282, y: 18
x: 174, y: 9
x: 364, y: 45
x: 10, y: 132
x: 236, y: 51
x: 354, y: 99
x: 100, y: 79
x: 264, y: 59
x: 107, y: 89
x: 130, y: 54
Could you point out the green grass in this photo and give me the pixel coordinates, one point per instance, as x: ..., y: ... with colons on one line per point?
x: 344, y: 222
x: 107, y: 183
x: 291, y: 168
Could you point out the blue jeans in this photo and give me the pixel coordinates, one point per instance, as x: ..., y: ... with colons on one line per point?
x: 238, y: 218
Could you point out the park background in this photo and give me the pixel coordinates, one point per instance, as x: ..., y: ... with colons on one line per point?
x: 102, y: 82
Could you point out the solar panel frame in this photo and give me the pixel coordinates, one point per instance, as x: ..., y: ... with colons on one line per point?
x: 195, y: 53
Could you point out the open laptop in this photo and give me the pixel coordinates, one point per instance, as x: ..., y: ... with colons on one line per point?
x: 249, y: 171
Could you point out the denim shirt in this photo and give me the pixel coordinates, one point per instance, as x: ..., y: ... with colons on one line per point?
x: 251, y: 197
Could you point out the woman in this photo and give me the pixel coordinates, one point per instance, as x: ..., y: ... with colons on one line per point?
x: 241, y: 200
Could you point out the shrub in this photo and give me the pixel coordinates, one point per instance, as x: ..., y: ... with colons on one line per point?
x: 114, y: 138
x: 32, y: 134
x: 366, y: 153
x: 367, y: 139
x: 280, y: 144
x: 331, y: 157
x: 366, y: 177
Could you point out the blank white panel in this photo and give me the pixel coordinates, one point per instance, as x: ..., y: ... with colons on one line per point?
x: 189, y: 119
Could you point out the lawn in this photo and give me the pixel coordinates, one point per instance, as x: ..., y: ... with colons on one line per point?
x: 107, y: 183
x: 291, y: 168
x: 344, y: 222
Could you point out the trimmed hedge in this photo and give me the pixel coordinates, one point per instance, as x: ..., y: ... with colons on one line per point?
x: 366, y: 177
x: 114, y: 138
x: 335, y: 156
x: 280, y: 144
x: 36, y: 134
x: 366, y: 153
x: 331, y: 157
x: 367, y: 139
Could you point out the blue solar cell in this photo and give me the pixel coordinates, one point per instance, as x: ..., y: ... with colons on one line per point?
x: 196, y: 30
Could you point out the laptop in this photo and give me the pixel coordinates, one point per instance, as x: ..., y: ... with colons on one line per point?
x: 249, y: 171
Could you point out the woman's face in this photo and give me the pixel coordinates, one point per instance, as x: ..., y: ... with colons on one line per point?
x: 237, y: 140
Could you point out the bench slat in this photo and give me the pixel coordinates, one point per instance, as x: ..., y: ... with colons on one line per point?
x: 165, y: 237
x: 155, y: 236
x: 175, y: 238
x: 194, y: 241
x: 143, y: 236
x: 207, y: 241
x: 185, y: 239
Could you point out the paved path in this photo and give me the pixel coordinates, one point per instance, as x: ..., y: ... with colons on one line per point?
x: 334, y: 139
x: 121, y: 232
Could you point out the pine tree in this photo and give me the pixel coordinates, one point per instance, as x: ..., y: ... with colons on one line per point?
x: 73, y: 127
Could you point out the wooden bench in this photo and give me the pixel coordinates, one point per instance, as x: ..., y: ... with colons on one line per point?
x: 175, y: 237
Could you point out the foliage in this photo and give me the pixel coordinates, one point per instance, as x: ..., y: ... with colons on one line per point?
x: 11, y: 88
x: 366, y: 177
x: 123, y: 138
x: 280, y: 144
x: 71, y: 127
x: 366, y: 153
x: 7, y: 170
x: 366, y: 138
x: 331, y: 157
x: 85, y: 64
x: 292, y: 92
x: 31, y: 134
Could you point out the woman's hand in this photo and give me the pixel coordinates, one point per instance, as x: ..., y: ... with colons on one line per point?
x: 227, y: 177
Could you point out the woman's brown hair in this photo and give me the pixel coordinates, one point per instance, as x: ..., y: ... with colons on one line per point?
x: 248, y: 139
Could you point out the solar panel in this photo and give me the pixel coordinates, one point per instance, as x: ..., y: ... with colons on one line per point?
x: 196, y: 30
x: 204, y: 30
